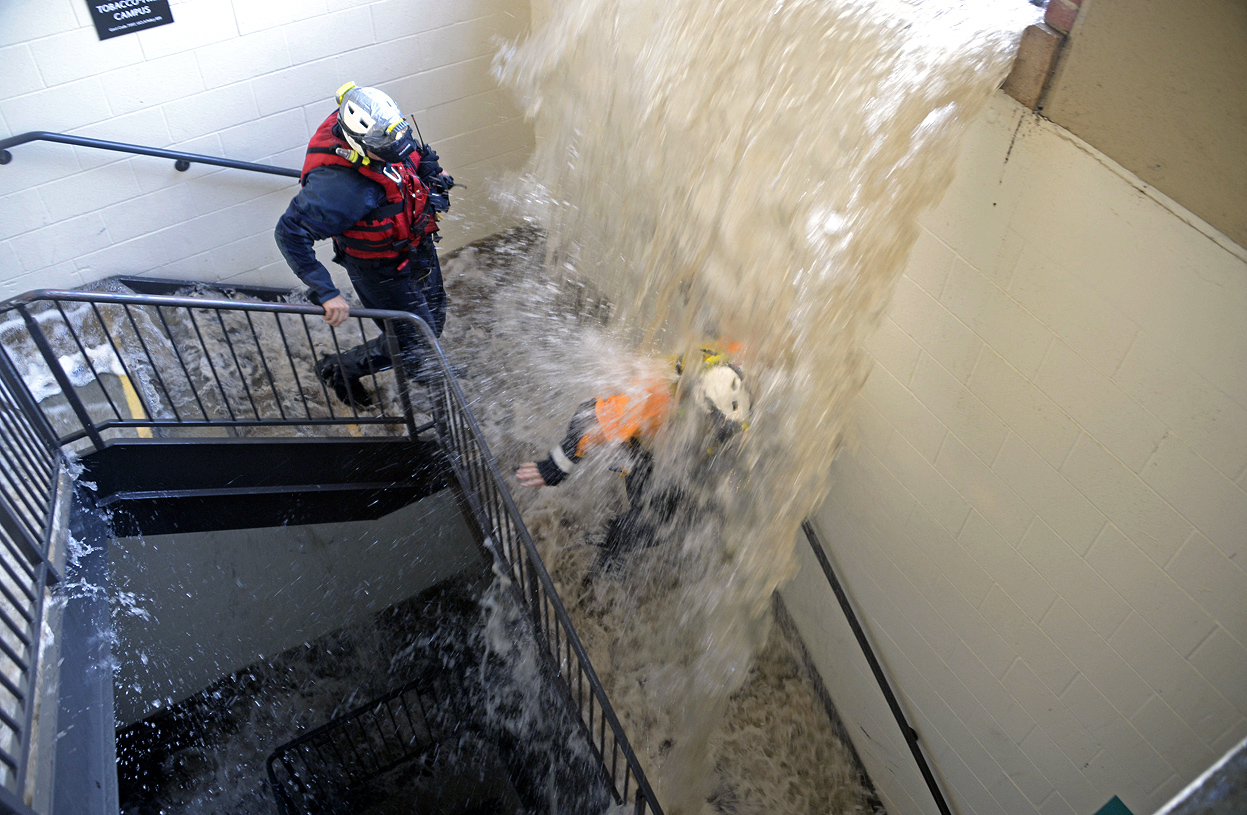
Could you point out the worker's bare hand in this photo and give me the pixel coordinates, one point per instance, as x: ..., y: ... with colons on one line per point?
x: 336, y: 310
x: 529, y: 475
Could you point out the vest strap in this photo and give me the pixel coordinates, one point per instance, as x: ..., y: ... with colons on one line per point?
x: 386, y: 211
x: 399, y: 248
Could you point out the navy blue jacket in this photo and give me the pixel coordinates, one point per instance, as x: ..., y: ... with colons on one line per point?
x: 333, y: 200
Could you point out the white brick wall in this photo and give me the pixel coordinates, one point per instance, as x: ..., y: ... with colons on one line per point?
x: 1043, y: 519
x: 235, y: 78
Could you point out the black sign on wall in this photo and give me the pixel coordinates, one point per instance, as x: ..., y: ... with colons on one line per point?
x: 113, y: 18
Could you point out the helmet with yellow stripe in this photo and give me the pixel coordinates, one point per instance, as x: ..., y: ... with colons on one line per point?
x: 373, y: 125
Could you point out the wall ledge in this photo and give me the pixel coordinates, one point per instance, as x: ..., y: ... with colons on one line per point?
x: 1039, y: 51
x: 1034, y: 65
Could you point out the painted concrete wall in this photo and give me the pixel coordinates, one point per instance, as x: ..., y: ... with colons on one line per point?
x: 1159, y: 87
x: 1043, y: 518
x: 199, y: 607
x: 236, y: 78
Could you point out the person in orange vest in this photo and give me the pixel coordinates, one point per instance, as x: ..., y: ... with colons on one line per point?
x: 368, y: 185
x: 631, y: 421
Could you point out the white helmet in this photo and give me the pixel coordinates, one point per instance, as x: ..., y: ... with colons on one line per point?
x: 721, y: 390
x: 372, y: 124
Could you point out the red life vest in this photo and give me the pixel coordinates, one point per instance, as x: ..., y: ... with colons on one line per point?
x: 388, y: 231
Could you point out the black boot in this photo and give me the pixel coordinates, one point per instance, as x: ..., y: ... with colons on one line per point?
x: 348, y: 389
x: 627, y: 532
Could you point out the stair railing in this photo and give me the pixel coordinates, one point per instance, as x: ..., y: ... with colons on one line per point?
x: 496, y: 513
x: 314, y: 772
x: 106, y: 364
x: 30, y: 479
x: 181, y: 161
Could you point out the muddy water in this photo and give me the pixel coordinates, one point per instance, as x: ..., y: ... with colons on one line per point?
x: 733, y: 170
x: 767, y: 747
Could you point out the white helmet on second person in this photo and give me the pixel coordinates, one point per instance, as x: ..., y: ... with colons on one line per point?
x: 373, y: 125
x: 721, y: 389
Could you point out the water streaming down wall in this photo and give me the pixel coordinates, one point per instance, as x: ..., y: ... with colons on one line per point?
x: 750, y: 172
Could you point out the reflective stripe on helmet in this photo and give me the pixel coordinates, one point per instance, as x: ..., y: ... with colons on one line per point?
x: 372, y: 123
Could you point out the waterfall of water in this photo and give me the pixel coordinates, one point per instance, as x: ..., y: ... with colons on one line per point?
x: 750, y: 171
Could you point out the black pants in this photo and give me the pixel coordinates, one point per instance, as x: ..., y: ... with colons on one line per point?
x: 650, y: 507
x: 417, y: 289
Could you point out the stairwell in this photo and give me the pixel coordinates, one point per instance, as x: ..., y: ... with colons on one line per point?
x: 194, y: 423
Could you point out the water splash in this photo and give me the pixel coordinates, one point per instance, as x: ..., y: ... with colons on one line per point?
x: 754, y: 172
x: 515, y: 325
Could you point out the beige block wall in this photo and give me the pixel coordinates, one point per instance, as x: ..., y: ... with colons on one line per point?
x: 1043, y: 518
x: 235, y: 78
x: 1158, y: 86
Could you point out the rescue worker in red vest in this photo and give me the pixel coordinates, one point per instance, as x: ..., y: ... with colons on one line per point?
x: 631, y: 420
x: 368, y: 185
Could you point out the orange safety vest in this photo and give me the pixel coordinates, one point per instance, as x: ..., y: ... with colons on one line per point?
x: 636, y: 415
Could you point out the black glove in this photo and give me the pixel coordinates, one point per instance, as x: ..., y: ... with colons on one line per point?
x: 439, y: 192
x: 439, y: 202
x: 428, y: 168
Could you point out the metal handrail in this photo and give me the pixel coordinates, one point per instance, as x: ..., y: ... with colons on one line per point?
x: 907, y: 731
x: 29, y: 493
x: 495, y: 510
x: 182, y: 161
x: 460, y: 437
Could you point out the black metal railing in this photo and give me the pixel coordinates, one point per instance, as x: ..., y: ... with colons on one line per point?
x: 29, y: 486
x: 103, y: 365
x: 181, y: 161
x: 318, y: 771
x: 495, y: 511
x: 108, y: 364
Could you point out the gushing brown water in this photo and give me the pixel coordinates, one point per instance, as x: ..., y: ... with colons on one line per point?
x: 734, y: 169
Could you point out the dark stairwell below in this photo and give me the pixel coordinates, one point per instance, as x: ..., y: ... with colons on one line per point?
x: 207, y: 753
